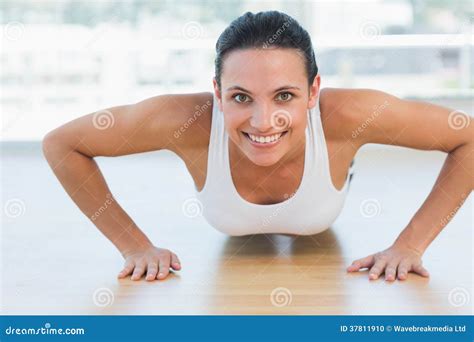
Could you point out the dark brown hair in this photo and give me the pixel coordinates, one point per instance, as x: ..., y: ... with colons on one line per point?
x: 264, y: 30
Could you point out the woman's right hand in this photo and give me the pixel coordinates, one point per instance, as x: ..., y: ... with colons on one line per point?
x: 152, y: 260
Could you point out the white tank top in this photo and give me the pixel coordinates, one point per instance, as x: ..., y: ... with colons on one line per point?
x: 311, y: 209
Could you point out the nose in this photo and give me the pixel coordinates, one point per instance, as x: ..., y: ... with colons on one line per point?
x: 261, y: 119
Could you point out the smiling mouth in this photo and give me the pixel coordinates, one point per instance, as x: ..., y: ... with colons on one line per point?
x: 265, y: 140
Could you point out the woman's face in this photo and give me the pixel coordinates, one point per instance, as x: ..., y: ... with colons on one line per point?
x: 265, y: 98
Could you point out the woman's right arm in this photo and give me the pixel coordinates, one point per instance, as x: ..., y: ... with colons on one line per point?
x: 70, y: 150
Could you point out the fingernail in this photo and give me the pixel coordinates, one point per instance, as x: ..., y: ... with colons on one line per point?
x: 160, y: 274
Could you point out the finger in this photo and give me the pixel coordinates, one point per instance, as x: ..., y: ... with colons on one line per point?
x: 403, y: 269
x: 391, y: 271
x: 152, y: 269
x: 128, y: 268
x: 138, y: 271
x: 164, y: 269
x: 361, y: 263
x: 421, y: 270
x: 175, y: 263
x: 377, y: 269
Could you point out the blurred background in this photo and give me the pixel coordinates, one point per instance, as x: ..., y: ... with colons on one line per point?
x: 63, y: 59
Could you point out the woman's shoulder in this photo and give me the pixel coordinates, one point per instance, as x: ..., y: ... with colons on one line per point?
x: 190, y: 116
x: 341, y: 111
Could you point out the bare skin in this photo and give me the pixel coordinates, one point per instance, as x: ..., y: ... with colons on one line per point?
x: 151, y: 125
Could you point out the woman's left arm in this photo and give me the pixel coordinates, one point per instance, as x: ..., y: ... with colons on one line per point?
x: 424, y: 126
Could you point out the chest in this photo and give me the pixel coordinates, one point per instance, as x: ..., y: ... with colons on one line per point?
x: 277, y: 184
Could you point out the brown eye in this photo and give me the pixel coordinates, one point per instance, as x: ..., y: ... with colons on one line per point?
x: 238, y: 98
x: 285, y: 96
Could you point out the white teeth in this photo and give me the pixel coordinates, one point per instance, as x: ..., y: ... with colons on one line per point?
x: 264, y: 140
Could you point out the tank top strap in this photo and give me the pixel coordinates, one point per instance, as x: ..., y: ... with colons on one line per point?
x: 215, y: 156
x: 322, y: 149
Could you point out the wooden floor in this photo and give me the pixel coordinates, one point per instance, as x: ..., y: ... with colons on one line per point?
x: 55, y: 262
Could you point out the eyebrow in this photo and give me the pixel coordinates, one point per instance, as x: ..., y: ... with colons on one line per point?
x: 286, y: 87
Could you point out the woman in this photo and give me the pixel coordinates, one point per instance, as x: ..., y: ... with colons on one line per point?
x: 269, y: 151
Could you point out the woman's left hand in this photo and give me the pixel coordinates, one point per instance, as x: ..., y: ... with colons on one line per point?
x: 398, y: 259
